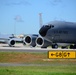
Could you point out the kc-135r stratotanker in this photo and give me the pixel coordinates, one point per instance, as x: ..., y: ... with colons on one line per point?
x: 58, y: 33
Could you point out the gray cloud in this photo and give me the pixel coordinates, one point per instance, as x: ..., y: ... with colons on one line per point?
x: 55, y: 2
x: 16, y: 2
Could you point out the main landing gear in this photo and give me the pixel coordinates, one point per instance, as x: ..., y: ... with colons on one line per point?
x: 55, y: 46
x: 72, y: 46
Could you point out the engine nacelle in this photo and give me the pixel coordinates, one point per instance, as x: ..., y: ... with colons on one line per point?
x: 30, y: 40
x: 40, y: 42
x: 11, y: 42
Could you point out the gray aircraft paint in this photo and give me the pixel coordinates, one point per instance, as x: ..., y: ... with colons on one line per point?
x: 62, y: 32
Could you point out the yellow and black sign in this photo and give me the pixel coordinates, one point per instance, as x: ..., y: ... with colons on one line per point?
x: 62, y: 54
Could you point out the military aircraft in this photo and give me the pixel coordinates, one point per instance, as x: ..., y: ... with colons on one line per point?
x: 58, y: 33
x: 10, y: 39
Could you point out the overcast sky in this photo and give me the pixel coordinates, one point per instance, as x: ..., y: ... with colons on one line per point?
x: 22, y: 16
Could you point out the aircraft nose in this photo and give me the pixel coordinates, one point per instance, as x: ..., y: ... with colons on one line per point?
x: 44, y: 30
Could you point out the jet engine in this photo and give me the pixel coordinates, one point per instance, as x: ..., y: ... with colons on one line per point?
x: 40, y: 42
x: 11, y: 42
x: 30, y: 40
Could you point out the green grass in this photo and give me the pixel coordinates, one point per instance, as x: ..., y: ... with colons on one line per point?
x: 38, y: 70
x: 54, y: 67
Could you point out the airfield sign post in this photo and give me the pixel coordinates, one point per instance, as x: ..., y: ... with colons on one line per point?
x: 62, y: 54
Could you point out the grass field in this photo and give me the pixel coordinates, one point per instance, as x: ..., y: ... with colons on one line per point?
x: 50, y: 67
x: 22, y: 57
x: 38, y: 70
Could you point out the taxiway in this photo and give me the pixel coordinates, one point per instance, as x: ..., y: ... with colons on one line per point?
x: 29, y: 49
x: 21, y: 48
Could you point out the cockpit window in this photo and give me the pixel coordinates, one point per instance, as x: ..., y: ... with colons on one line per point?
x: 48, y: 26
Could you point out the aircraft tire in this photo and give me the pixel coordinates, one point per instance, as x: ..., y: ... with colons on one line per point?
x: 33, y: 45
x: 71, y: 47
x: 74, y: 46
x: 64, y: 47
x: 55, y: 46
